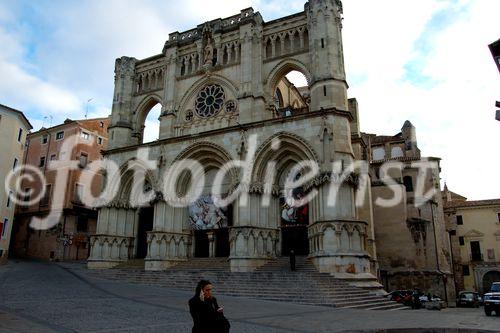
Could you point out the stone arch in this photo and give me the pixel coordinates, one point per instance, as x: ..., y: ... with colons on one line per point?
x: 141, y: 112
x: 292, y: 148
x: 281, y: 69
x: 490, y: 275
x: 126, y: 180
x: 227, y: 84
x: 209, y: 155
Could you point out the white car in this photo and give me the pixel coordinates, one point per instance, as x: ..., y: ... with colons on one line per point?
x: 492, y: 300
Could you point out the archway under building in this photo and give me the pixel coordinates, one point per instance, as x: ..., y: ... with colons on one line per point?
x: 489, y: 278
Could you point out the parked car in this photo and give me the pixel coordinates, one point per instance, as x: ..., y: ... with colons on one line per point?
x: 468, y: 298
x: 401, y: 296
x: 492, y: 300
x: 432, y: 302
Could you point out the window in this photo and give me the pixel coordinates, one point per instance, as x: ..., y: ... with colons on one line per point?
x: 83, y: 160
x: 5, y: 226
x: 408, y: 183
x: 209, y: 101
x: 278, y: 99
x: 465, y: 270
x: 8, y: 199
x: 85, y: 135
x: 498, y: 217
x: 78, y: 193
x: 475, y: 251
x: 27, y: 196
x: 491, y: 254
x: 378, y: 153
x: 45, y: 139
x: 396, y: 152
x: 99, y: 141
x: 101, y: 124
x: 60, y: 135
x: 46, y: 198
x: 460, y: 220
x: 461, y: 240
x: 82, y: 224
x: 15, y: 163
x: 53, y: 157
x: 1, y: 230
x: 42, y: 162
x: 20, y: 135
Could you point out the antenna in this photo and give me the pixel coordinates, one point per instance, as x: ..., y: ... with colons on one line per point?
x: 87, y: 107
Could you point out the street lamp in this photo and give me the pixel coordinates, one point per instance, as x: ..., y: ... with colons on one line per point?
x: 495, y: 52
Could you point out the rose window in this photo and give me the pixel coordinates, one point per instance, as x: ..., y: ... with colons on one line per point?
x: 209, y: 101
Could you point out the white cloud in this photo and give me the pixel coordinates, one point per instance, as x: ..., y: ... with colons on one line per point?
x: 454, y: 115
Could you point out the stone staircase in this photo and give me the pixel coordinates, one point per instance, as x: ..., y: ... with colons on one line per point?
x: 273, y: 281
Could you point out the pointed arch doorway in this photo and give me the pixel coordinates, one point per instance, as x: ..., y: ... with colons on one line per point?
x: 146, y: 220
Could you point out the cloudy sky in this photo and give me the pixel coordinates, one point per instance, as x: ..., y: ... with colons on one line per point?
x: 426, y: 61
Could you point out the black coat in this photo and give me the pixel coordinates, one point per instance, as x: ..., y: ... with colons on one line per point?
x: 205, y: 316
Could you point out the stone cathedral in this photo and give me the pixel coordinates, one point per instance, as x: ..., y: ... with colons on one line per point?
x: 218, y: 85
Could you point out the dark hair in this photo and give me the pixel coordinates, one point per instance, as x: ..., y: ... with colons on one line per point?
x: 202, y: 284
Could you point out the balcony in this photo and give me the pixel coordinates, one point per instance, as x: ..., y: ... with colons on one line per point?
x: 476, y: 257
x: 290, y: 111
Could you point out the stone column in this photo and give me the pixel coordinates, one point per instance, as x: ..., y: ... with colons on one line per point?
x: 211, y: 243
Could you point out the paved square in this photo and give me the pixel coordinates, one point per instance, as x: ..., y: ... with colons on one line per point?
x: 50, y: 297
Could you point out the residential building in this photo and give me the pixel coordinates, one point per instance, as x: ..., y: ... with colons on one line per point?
x: 68, y: 239
x: 14, y: 127
x: 474, y: 227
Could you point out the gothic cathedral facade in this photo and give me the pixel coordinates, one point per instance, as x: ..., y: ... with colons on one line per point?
x: 224, y: 94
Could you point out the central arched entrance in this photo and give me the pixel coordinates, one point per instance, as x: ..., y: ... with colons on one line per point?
x: 294, y: 219
x: 290, y: 158
x: 208, y: 220
x: 211, y: 221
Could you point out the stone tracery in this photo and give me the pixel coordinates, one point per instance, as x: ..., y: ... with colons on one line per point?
x: 209, y: 101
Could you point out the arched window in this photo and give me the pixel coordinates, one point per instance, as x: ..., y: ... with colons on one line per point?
x: 151, y: 131
x: 291, y: 93
x: 408, y: 183
x: 278, y: 99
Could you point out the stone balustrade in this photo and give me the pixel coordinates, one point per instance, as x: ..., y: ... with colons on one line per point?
x: 166, y: 249
x: 252, y: 247
x: 339, y: 246
x: 109, y: 250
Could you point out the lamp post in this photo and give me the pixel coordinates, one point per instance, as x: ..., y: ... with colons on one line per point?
x: 495, y: 52
x: 443, y: 276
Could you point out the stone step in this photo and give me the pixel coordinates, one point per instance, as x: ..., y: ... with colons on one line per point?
x: 273, y: 281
